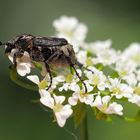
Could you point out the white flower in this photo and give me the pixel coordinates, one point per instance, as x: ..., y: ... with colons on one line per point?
x: 67, y: 86
x: 135, y: 98
x: 132, y: 53
x: 71, y: 29
x: 131, y: 79
x: 99, y: 46
x: 35, y: 79
x: 126, y: 70
x: 97, y: 78
x: 103, y: 51
x: 65, y: 24
x: 70, y: 80
x: 23, y: 63
x: 124, y: 67
x: 119, y: 89
x: 61, y: 112
x: 81, y: 95
x: 43, y: 84
x: 82, y: 57
x: 56, y: 80
x: 108, y: 108
x: 107, y: 57
x: 64, y: 87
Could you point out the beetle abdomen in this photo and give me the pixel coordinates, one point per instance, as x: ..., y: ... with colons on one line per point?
x: 49, y: 42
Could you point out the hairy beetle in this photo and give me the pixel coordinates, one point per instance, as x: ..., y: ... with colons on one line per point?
x: 50, y: 50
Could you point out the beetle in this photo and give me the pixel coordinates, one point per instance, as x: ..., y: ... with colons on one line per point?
x: 49, y: 50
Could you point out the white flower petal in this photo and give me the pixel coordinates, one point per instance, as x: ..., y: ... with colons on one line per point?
x: 73, y: 100
x: 115, y: 108
x: 47, y: 101
x: 11, y: 55
x: 23, y: 69
x: 64, y: 87
x: 59, y: 99
x: 64, y: 22
x: 63, y: 115
x: 89, y: 99
x: 135, y: 99
x: 89, y: 87
x: 97, y: 102
x: 74, y: 87
x: 34, y: 79
x: 106, y: 99
x: 60, y: 120
x: 60, y: 78
x: 66, y: 111
x: 44, y: 93
x: 101, y: 86
x: 100, y: 45
x: 80, y: 32
x: 82, y: 57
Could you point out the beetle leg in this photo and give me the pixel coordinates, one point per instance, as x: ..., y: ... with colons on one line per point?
x: 82, y: 66
x: 51, y: 57
x: 14, y: 60
x: 77, y: 74
x: 16, y: 54
x: 50, y: 74
x: 48, y: 67
x: 80, y: 78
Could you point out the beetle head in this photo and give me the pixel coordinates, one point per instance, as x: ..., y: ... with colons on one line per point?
x: 8, y: 46
x: 13, y: 43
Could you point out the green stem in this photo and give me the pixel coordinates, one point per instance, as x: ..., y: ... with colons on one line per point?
x: 15, y: 79
x: 84, y: 129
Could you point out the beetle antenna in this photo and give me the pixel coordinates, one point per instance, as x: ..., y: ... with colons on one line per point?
x: 82, y: 66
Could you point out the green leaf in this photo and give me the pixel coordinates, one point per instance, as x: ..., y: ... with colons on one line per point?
x: 15, y: 78
x: 79, y: 114
x: 71, y: 70
x: 95, y: 90
x: 105, y: 92
x: 115, y: 74
x: 90, y: 53
x: 99, y: 66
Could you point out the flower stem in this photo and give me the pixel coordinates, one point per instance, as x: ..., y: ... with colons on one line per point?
x: 84, y: 129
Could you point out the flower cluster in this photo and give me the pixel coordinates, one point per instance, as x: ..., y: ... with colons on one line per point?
x: 110, y: 75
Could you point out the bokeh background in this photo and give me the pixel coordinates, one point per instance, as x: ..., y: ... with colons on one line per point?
x: 20, y: 118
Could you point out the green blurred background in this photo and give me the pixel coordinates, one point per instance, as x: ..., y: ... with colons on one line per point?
x: 20, y: 119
